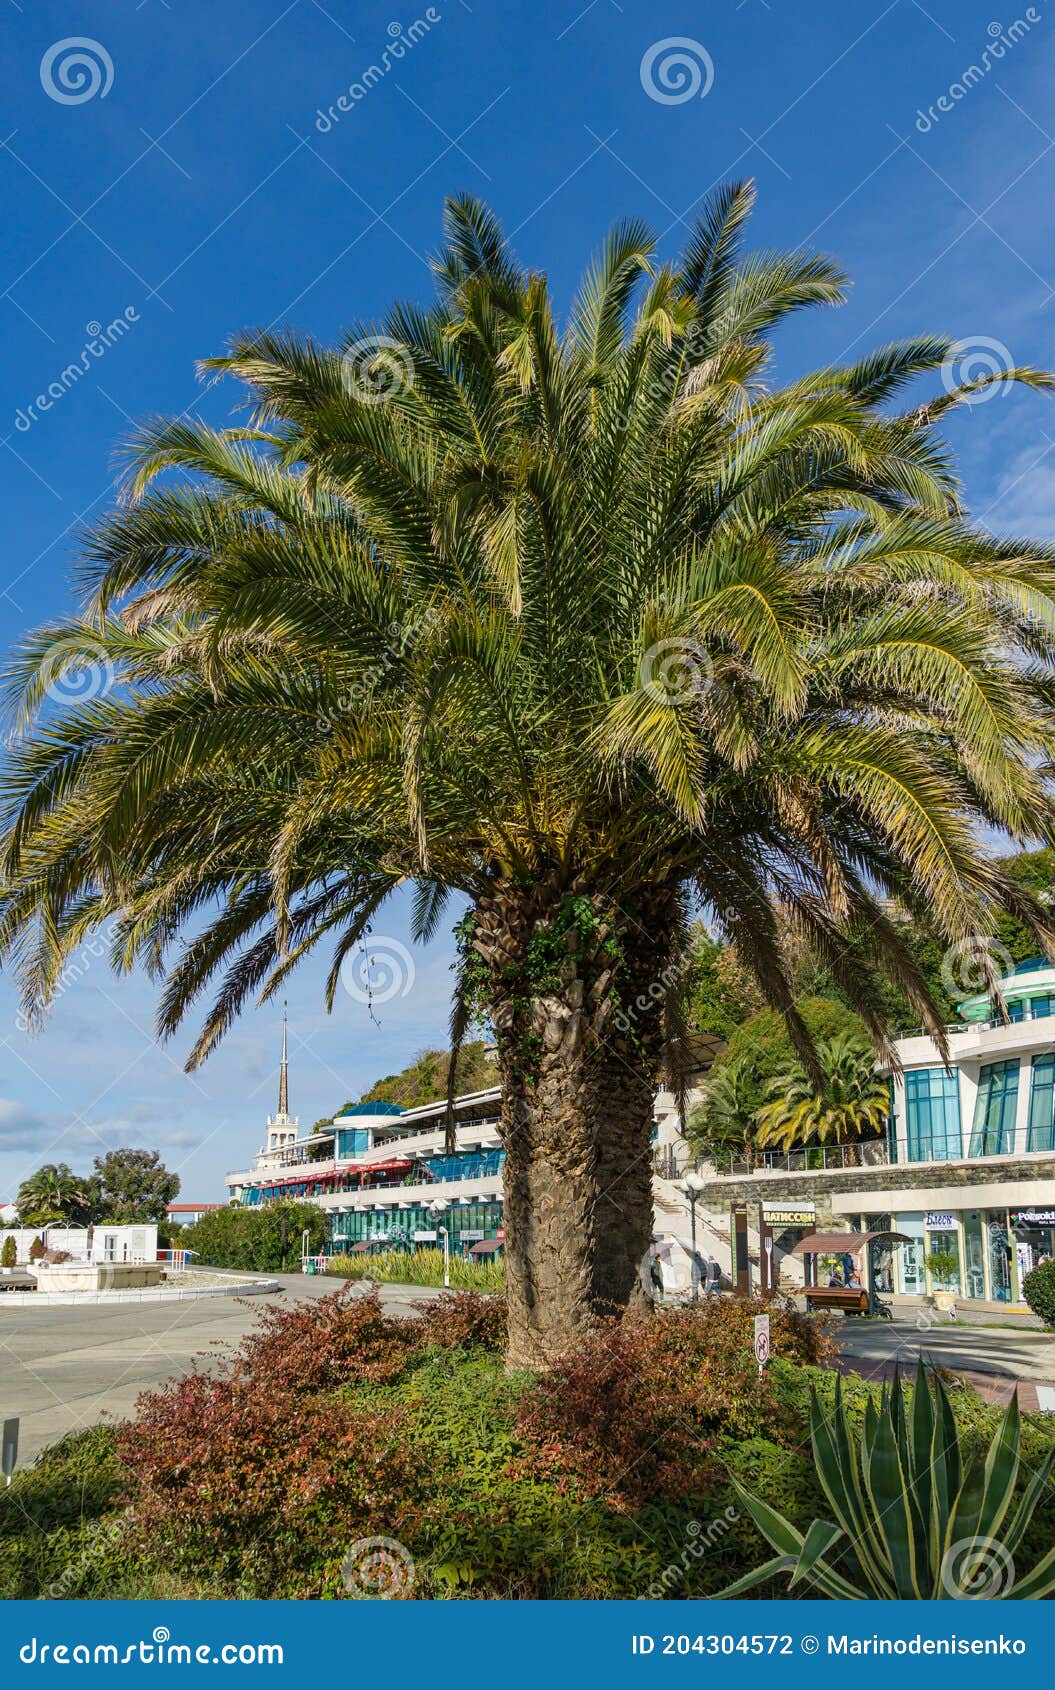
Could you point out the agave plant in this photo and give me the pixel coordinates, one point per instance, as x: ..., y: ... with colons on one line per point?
x: 913, y: 1521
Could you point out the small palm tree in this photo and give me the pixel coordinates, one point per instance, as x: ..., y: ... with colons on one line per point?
x: 850, y: 1098
x: 725, y: 1120
x: 585, y: 627
x: 52, y: 1195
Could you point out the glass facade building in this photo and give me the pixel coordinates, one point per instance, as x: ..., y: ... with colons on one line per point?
x: 932, y: 1115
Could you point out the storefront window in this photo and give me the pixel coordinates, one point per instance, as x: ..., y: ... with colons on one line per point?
x: 911, y: 1274
x: 944, y: 1244
x: 994, y: 1113
x: 999, y: 1258
x: 1033, y: 1231
x: 1042, y: 1105
x: 932, y: 1110
x: 880, y: 1254
x: 973, y: 1255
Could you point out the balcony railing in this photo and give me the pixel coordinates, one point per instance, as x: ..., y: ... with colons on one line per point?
x: 819, y: 1158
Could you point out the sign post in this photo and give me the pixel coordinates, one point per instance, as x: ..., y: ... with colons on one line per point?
x: 761, y: 1341
x: 10, y: 1448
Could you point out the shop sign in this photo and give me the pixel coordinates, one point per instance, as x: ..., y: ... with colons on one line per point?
x: 1033, y: 1217
x: 939, y: 1220
x: 470, y: 1237
x: 425, y: 1237
x: 805, y: 1216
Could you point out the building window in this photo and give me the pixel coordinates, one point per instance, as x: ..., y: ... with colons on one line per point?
x: 1042, y: 1105
x: 994, y: 1112
x: 932, y: 1110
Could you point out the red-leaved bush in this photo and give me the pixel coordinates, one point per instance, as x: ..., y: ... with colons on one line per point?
x: 260, y: 1477
x: 635, y: 1412
x: 463, y: 1321
x: 259, y: 1489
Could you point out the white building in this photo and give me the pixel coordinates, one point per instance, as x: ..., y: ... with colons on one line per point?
x: 384, y: 1176
x: 966, y: 1168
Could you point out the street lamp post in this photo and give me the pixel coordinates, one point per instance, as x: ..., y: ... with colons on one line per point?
x: 692, y: 1185
x: 438, y: 1209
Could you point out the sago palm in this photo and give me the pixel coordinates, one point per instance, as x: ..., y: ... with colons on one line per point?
x: 849, y: 1100
x: 591, y: 627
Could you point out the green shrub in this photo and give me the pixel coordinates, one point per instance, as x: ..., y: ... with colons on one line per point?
x: 337, y: 1421
x: 9, y: 1254
x: 1038, y: 1288
x: 61, y: 1533
x: 636, y: 1410
x: 266, y: 1239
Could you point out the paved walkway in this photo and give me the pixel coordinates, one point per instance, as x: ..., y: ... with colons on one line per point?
x: 993, y: 1359
x: 64, y: 1368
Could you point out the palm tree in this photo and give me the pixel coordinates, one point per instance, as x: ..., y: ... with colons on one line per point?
x: 724, y: 1122
x: 590, y: 630
x: 52, y: 1195
x: 851, y: 1098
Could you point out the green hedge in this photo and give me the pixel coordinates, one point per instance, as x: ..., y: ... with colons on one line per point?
x: 262, y: 1240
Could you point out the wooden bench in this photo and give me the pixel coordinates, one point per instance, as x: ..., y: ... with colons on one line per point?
x: 852, y: 1298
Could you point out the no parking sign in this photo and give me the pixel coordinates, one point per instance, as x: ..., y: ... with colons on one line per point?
x: 761, y: 1341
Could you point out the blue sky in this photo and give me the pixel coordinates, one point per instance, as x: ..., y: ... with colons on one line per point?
x: 184, y: 183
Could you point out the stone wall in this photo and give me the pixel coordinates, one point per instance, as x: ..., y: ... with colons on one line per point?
x: 838, y: 1191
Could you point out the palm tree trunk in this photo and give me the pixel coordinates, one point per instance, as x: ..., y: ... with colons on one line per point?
x: 578, y: 1200
x: 579, y: 1059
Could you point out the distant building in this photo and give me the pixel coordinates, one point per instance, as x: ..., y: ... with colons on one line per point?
x: 185, y: 1214
x: 378, y: 1171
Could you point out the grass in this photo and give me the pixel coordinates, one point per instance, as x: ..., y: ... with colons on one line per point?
x: 422, y: 1267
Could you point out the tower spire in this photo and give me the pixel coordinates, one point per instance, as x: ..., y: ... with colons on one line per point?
x: 283, y: 1073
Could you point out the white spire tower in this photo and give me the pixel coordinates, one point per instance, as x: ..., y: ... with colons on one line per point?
x: 282, y: 1127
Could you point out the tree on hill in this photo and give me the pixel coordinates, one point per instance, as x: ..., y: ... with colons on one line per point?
x: 425, y: 1079
x: 760, y: 1051
x: 589, y: 625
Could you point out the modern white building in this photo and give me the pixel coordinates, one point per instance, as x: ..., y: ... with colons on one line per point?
x: 385, y: 1177
x: 966, y: 1169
